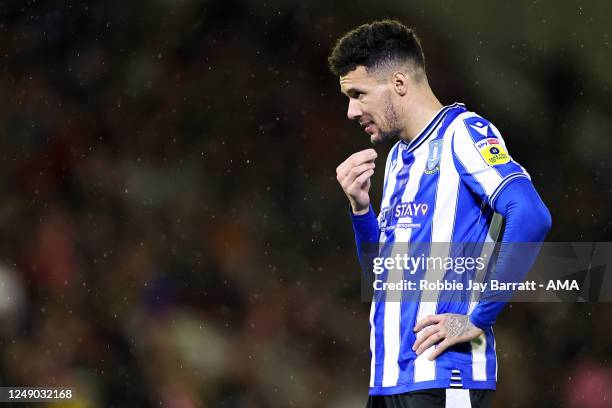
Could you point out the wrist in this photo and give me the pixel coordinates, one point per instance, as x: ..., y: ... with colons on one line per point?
x: 359, y: 210
x: 476, y: 322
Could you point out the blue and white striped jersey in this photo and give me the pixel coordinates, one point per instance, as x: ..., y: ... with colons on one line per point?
x: 439, y: 188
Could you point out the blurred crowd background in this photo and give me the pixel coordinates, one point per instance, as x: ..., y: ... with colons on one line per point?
x: 171, y: 230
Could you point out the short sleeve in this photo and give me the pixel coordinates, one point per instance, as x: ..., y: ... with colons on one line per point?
x: 482, y: 159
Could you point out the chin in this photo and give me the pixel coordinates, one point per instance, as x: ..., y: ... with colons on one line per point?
x: 376, y: 139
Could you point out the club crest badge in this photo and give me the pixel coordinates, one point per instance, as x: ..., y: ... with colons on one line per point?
x: 433, y: 158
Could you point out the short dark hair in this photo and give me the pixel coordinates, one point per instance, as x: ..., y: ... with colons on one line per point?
x: 375, y: 45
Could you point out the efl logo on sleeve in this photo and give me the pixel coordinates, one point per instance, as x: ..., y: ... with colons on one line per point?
x: 492, y: 151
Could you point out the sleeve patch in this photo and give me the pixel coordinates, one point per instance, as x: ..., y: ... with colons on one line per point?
x: 479, y: 128
x: 492, y: 151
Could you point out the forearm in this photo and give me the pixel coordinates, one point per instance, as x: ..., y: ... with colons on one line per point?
x: 365, y: 227
x: 527, y: 221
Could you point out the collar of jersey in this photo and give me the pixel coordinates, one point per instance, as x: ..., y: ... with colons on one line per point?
x: 427, y: 130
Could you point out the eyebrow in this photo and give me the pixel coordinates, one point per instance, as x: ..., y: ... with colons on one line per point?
x: 350, y: 91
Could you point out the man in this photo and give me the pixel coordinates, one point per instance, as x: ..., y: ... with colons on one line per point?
x: 451, y: 169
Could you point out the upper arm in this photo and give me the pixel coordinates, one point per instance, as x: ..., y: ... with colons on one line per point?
x: 482, y: 159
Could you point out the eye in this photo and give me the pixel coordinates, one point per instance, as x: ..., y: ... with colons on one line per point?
x: 355, y: 94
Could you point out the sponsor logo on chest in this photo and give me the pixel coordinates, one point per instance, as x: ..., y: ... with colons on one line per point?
x: 403, y: 215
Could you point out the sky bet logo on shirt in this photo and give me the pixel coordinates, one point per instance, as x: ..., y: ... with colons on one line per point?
x: 492, y: 151
x: 406, y: 215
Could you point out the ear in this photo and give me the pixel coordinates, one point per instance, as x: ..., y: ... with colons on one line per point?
x: 400, y: 83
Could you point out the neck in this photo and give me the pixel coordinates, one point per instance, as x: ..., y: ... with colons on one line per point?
x: 420, y: 110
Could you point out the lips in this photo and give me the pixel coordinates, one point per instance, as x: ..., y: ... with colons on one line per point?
x: 368, y: 127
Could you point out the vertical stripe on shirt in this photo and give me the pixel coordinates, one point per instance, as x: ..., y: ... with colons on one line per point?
x: 443, y: 222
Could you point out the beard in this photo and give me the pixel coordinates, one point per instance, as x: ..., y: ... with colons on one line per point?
x: 393, y: 130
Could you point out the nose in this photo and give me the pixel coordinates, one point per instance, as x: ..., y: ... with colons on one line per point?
x: 354, y: 112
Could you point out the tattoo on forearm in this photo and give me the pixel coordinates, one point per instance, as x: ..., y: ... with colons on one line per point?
x: 457, y: 325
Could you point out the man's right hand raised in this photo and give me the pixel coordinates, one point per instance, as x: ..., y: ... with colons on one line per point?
x: 354, y: 174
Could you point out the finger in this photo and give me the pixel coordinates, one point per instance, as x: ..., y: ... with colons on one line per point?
x: 430, y: 341
x: 355, y: 172
x: 345, y: 168
x: 340, y: 168
x: 364, y: 155
x: 428, y: 321
x: 422, y: 337
x: 356, y: 159
x: 440, y: 348
x: 363, y: 178
x: 359, y: 170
